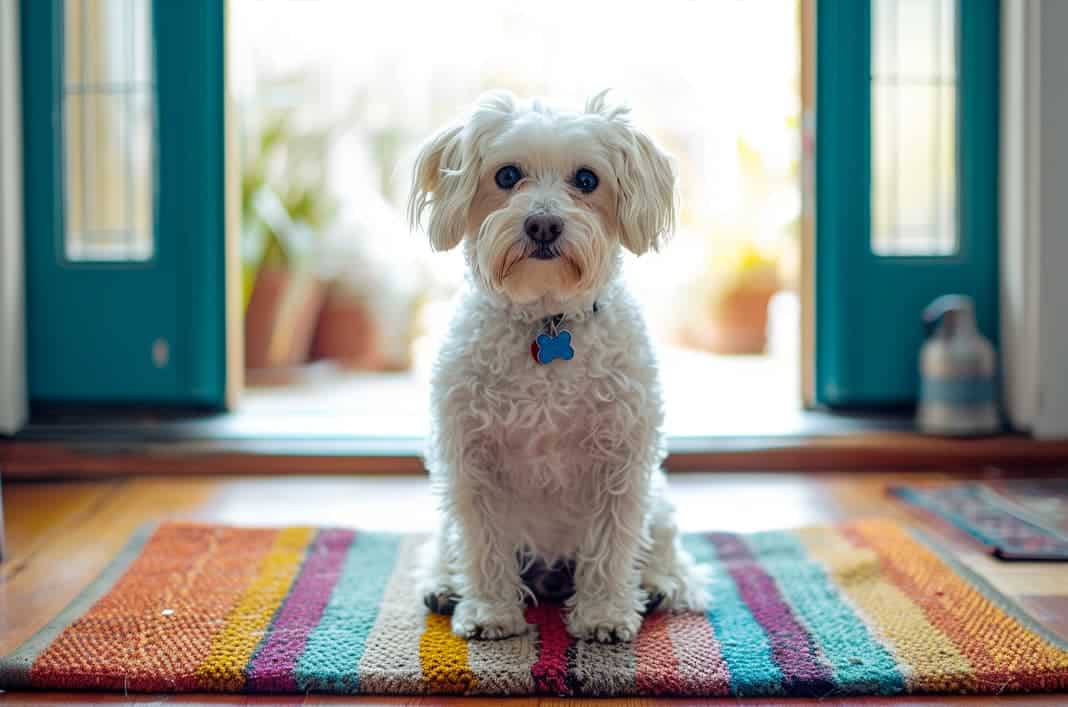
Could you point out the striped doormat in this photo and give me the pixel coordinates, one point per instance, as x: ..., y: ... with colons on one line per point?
x: 864, y: 608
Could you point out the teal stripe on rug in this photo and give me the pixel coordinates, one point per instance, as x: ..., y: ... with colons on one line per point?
x: 860, y: 662
x: 329, y: 662
x: 743, y: 642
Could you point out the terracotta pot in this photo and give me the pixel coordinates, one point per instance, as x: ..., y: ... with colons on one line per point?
x: 281, y: 317
x: 346, y: 333
x: 738, y: 324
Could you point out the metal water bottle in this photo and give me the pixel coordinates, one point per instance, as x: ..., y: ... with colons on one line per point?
x: 958, y: 373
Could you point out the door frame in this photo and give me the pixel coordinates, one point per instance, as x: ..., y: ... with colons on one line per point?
x: 13, y: 401
x: 1034, y: 216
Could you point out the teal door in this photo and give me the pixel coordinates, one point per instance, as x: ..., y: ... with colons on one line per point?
x: 124, y: 213
x: 906, y: 184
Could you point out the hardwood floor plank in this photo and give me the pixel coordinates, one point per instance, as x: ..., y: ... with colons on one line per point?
x: 53, y: 509
x: 1020, y: 578
x: 1050, y: 610
x: 50, y: 574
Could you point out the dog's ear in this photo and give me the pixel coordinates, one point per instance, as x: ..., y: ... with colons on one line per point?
x: 445, y: 177
x: 645, y: 201
x: 435, y: 184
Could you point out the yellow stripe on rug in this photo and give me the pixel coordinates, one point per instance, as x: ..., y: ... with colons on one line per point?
x: 930, y: 660
x: 443, y: 655
x: 1000, y: 648
x: 247, y: 623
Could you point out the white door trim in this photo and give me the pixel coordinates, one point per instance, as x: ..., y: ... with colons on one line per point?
x: 1034, y: 215
x: 13, y: 395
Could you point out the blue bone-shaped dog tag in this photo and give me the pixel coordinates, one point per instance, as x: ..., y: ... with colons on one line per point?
x: 547, y: 349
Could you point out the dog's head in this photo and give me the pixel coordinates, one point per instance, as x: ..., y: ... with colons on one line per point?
x: 545, y: 198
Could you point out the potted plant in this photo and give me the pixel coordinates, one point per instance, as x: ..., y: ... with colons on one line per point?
x: 732, y: 312
x: 285, y: 206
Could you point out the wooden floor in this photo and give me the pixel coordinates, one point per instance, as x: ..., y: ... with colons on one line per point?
x: 60, y: 534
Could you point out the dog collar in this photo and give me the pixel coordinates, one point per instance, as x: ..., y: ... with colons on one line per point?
x: 553, y: 342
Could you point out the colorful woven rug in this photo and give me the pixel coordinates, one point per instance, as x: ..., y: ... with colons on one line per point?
x: 1017, y: 519
x: 864, y: 608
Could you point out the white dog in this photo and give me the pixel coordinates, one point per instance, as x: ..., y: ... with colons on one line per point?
x: 546, y: 439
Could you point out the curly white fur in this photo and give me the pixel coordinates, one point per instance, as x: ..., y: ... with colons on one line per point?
x: 557, y: 462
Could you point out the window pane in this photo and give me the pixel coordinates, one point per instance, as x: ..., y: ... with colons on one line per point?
x: 109, y: 136
x: 108, y: 41
x: 914, y: 143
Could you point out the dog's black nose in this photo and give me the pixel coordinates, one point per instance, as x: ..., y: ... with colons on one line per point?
x: 543, y: 228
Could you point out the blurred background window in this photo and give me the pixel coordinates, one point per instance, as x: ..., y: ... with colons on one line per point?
x: 335, y: 97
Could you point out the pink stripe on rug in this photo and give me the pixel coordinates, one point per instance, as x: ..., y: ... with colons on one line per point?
x: 794, y: 650
x: 657, y: 667
x: 701, y: 667
x: 272, y: 667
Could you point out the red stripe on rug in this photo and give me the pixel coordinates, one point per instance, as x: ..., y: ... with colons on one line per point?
x: 550, y: 671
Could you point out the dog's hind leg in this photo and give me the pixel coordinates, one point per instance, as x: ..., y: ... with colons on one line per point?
x: 670, y: 576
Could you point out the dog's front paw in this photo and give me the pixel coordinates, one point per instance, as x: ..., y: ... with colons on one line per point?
x: 684, y: 591
x: 442, y: 600
x: 480, y: 619
x: 603, y: 622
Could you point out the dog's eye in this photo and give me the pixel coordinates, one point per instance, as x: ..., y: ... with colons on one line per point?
x: 508, y: 176
x: 585, y: 180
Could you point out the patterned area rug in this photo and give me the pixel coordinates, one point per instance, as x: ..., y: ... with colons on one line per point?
x: 864, y: 608
x: 1018, y: 519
